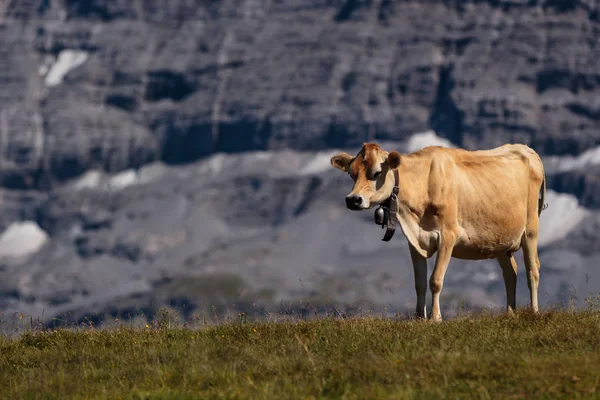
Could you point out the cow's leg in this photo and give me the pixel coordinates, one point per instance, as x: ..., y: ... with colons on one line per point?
x: 420, y: 269
x: 532, y: 262
x: 509, y: 272
x: 436, y: 282
x: 529, y: 241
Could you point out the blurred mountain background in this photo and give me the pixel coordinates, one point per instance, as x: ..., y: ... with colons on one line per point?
x: 158, y: 152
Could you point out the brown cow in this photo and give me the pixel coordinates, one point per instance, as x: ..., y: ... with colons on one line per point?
x: 466, y: 204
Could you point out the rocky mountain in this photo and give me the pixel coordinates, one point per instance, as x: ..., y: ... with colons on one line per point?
x: 158, y: 151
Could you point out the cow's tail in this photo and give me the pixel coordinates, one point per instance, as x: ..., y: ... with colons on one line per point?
x: 542, y: 197
x: 541, y: 205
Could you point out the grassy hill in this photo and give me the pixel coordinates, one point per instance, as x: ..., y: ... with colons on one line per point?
x: 555, y: 354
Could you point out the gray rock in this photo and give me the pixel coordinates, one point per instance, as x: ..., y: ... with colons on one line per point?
x: 199, y: 85
x: 583, y: 183
x: 181, y: 80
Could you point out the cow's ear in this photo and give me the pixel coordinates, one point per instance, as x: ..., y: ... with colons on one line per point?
x: 341, y: 161
x: 393, y: 160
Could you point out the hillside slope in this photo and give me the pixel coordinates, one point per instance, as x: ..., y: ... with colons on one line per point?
x: 555, y: 355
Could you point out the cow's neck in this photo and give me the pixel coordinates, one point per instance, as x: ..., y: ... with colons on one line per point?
x: 413, y: 175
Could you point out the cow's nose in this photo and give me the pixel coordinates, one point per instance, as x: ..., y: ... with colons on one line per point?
x: 353, y: 202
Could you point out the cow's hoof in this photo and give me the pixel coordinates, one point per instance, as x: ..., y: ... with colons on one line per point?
x: 436, y: 318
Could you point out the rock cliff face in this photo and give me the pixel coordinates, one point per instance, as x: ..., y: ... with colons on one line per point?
x: 142, y: 87
x: 178, y: 80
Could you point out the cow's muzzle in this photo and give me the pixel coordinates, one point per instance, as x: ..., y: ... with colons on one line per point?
x: 354, y: 202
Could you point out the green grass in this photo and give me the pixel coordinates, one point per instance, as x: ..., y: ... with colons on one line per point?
x: 552, y: 355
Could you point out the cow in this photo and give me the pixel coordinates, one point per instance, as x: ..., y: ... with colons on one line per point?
x: 470, y: 205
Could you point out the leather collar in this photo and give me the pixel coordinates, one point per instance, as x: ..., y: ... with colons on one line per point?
x: 392, y: 208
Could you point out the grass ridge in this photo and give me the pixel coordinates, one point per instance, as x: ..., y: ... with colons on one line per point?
x: 554, y: 354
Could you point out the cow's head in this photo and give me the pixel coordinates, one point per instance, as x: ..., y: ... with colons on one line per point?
x: 372, y: 173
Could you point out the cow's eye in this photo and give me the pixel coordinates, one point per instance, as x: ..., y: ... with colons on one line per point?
x: 376, y: 174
